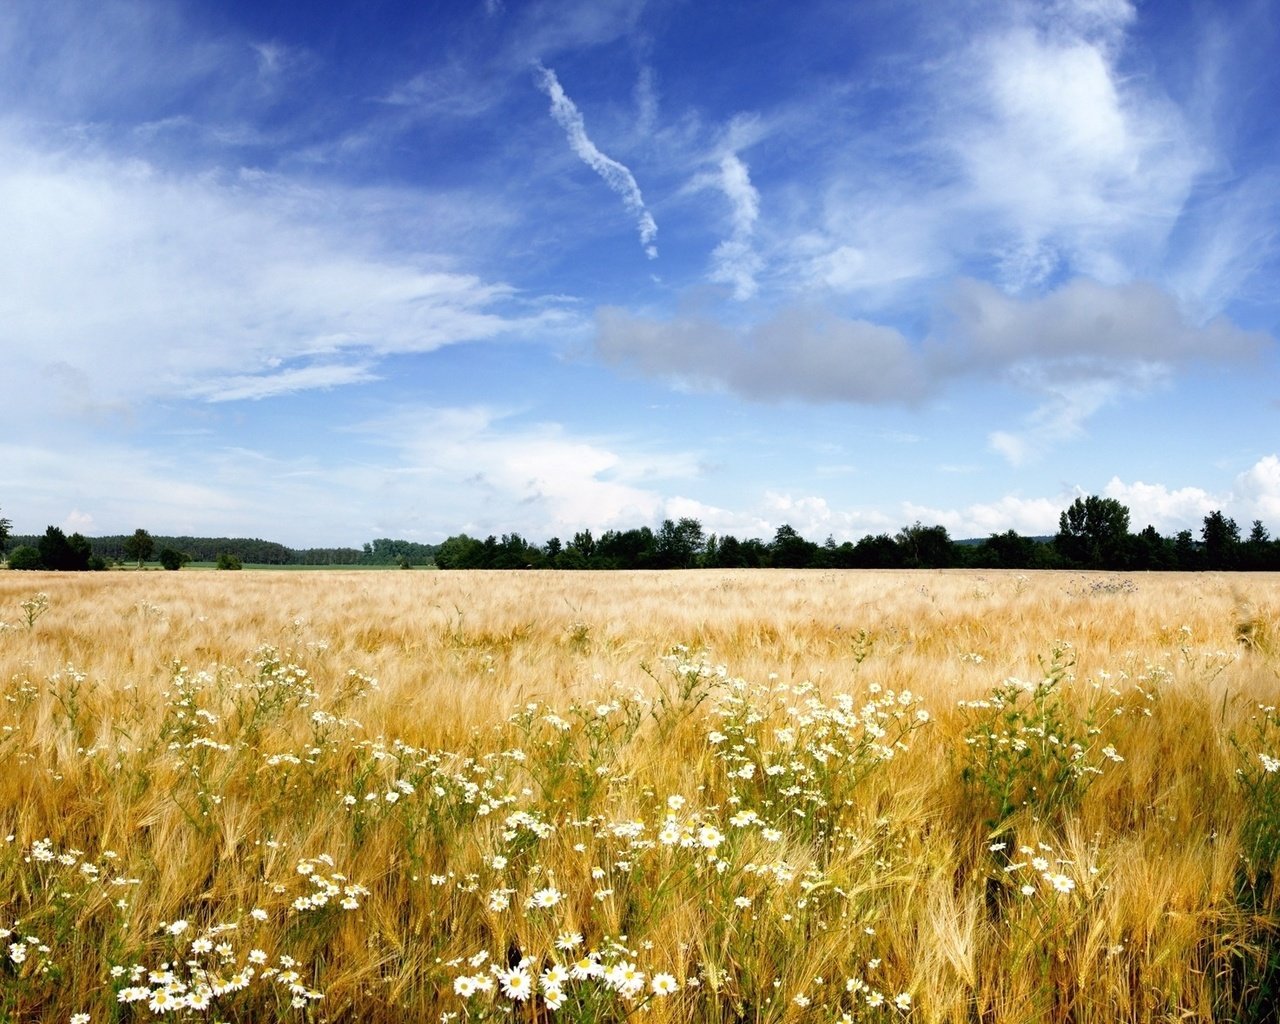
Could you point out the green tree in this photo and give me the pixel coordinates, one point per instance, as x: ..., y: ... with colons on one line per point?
x: 1221, y: 538
x: 172, y: 559
x: 628, y: 549
x: 1260, y: 552
x: 460, y: 552
x: 925, y: 547
x: 1008, y: 550
x: 584, y: 544
x: 791, y: 551
x: 1151, y: 551
x: 679, y: 543
x: 63, y: 553
x: 24, y: 556
x: 1185, y: 555
x: 1093, y: 533
x: 139, y: 546
x: 877, y: 552
x: 4, y: 533
x: 228, y: 561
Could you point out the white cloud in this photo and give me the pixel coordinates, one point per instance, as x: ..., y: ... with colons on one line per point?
x: 614, y: 174
x: 284, y: 382
x: 1030, y: 153
x: 735, y: 262
x: 107, y: 487
x: 813, y: 517
x: 1168, y: 510
x: 1257, y: 491
x: 1254, y: 494
x: 1066, y: 406
x: 1080, y: 348
x: 1028, y: 516
x: 77, y: 522
x: 537, y: 478
x: 1075, y: 161
x: 646, y: 100
x: 201, y: 279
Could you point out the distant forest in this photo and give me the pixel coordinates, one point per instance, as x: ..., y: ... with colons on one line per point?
x: 1093, y: 533
x: 248, y: 550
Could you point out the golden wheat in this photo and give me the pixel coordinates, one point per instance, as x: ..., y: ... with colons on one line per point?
x: 701, y: 796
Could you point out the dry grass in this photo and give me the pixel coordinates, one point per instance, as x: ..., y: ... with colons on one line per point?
x: 429, y: 746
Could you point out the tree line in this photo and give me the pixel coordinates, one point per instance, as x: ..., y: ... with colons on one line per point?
x: 1093, y: 533
x: 55, y: 550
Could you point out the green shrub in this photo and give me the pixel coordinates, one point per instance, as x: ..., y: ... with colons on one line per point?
x: 25, y: 557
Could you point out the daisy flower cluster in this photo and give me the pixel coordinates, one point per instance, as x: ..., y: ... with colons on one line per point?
x: 208, y: 972
x: 328, y: 886
x: 557, y: 979
x: 793, y: 757
x: 1040, y: 871
x: 25, y: 953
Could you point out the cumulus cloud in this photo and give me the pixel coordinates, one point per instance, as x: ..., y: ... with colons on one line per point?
x: 1028, y: 516
x: 1167, y: 509
x: 537, y: 477
x: 614, y: 174
x: 815, y: 518
x: 1253, y: 494
x: 1257, y: 490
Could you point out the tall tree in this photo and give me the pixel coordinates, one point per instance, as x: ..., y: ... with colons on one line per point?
x: 4, y: 533
x: 1093, y: 533
x: 679, y: 543
x: 791, y: 551
x: 139, y: 546
x: 1221, y: 538
x: 58, y: 551
x: 925, y: 547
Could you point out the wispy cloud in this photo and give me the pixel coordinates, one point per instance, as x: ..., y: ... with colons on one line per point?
x: 321, y: 376
x: 205, y: 279
x: 1028, y: 155
x: 735, y: 262
x: 614, y: 174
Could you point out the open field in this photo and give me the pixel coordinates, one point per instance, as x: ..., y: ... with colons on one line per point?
x: 696, y: 796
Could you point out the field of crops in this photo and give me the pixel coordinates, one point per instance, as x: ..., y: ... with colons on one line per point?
x: 704, y: 796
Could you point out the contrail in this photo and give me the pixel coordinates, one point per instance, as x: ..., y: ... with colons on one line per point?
x: 615, y: 175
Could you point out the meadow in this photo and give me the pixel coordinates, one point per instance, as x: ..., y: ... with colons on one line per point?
x: 705, y: 796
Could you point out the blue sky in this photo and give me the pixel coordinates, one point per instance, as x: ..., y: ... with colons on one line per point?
x: 327, y: 272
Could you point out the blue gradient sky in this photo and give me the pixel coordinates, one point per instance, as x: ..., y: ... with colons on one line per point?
x: 326, y: 272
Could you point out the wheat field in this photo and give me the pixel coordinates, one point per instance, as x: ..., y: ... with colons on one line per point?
x: 689, y: 796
